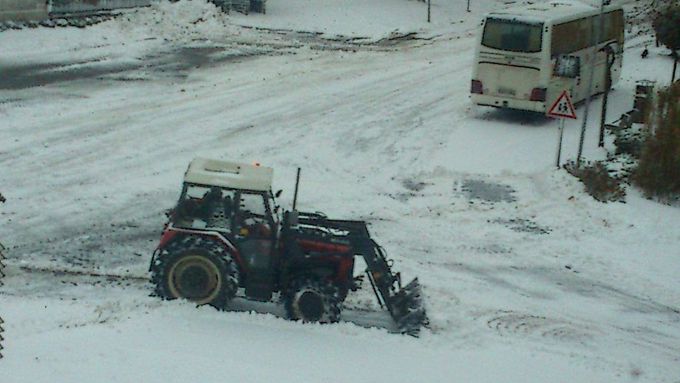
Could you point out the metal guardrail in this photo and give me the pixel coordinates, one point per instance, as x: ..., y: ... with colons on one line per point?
x: 2, y: 274
x: 59, y: 7
x: 242, y: 6
x: 18, y: 11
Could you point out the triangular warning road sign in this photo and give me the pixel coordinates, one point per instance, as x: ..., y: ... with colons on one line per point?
x: 563, y: 107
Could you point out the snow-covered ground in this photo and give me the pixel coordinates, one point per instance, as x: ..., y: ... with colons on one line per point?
x: 526, y: 277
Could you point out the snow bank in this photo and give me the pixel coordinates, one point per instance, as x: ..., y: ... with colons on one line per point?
x: 180, y: 22
x: 130, y: 36
x: 85, y: 341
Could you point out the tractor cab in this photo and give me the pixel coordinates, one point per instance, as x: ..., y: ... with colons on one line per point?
x: 234, y: 200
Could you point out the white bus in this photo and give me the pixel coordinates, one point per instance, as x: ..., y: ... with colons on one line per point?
x: 519, y: 49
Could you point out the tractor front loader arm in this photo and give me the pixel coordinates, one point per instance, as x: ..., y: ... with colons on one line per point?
x: 404, y: 303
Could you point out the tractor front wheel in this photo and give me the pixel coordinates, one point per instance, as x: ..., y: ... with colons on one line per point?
x: 313, y: 300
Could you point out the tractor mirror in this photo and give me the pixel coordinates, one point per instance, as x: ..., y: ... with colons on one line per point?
x: 278, y: 193
x: 567, y: 66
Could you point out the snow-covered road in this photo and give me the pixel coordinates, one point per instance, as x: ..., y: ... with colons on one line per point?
x: 526, y: 277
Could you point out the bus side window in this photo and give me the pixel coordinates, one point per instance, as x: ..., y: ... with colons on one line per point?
x: 571, y: 36
x: 613, y: 27
x: 585, y: 31
x: 620, y: 26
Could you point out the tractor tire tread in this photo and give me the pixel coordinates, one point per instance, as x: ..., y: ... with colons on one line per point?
x: 213, y: 250
x: 330, y: 292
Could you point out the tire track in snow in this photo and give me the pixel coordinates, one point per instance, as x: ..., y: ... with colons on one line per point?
x: 510, y: 323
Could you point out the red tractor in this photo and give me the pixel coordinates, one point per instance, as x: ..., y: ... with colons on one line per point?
x: 226, y: 232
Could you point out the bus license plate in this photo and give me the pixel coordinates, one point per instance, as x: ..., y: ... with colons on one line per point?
x: 506, y: 91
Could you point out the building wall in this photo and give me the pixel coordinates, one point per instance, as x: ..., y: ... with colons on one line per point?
x: 23, y: 10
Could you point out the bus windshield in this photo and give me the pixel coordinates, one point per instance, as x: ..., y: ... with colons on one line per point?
x: 510, y: 35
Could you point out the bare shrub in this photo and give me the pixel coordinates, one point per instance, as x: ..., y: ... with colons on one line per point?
x: 658, y: 172
x: 597, y: 181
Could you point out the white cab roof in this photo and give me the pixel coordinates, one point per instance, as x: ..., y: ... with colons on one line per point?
x: 227, y: 174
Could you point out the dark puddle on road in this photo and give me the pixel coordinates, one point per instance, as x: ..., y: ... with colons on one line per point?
x: 487, y: 191
x: 15, y: 77
x: 176, y: 63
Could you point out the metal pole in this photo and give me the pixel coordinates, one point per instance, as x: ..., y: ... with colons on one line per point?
x: 2, y: 274
x: 559, y: 143
x: 468, y: 5
x: 603, y: 116
x: 297, y: 183
x: 596, y: 41
x: 605, y: 97
x: 428, y: 10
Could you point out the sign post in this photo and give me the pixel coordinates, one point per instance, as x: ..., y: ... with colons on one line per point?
x: 428, y: 10
x: 559, y: 143
x: 562, y: 108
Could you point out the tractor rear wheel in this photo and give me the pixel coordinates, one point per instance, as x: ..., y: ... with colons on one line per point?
x: 196, y: 269
x: 313, y: 300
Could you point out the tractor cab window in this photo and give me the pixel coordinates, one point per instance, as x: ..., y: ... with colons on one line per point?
x: 204, y: 207
x: 253, y: 204
x: 196, y: 192
x: 253, y: 217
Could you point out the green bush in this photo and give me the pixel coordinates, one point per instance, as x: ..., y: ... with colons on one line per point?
x: 666, y: 24
x: 658, y: 172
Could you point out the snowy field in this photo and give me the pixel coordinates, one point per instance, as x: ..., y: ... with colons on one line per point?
x: 526, y: 278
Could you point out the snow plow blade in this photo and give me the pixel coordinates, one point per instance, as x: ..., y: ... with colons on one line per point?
x: 405, y: 304
x: 406, y: 308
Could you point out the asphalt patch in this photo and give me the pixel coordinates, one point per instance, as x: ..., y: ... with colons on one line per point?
x: 487, y: 191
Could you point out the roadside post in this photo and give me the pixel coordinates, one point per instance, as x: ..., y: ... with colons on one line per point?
x: 428, y: 10
x: 2, y: 274
x: 562, y: 108
x: 596, y: 36
x: 608, y: 84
